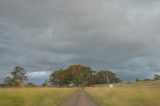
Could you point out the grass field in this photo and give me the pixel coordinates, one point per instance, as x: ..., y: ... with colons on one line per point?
x: 34, y: 96
x: 135, y: 94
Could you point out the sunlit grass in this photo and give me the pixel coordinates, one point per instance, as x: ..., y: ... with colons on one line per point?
x: 137, y: 94
x: 34, y: 96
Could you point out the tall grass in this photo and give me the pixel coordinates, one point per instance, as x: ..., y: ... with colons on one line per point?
x: 137, y: 94
x: 34, y: 96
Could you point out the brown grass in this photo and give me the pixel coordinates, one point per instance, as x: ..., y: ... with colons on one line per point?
x: 137, y: 94
x: 34, y: 96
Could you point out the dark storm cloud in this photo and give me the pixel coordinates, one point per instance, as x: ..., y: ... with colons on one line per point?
x: 41, y: 36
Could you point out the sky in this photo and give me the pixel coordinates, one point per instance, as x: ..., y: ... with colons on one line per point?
x: 45, y: 35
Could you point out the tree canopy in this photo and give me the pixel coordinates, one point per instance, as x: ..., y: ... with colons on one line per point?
x: 17, y: 77
x: 75, y: 75
x: 81, y: 75
x: 156, y: 77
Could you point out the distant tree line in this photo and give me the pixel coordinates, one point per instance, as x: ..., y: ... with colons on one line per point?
x: 156, y: 77
x: 80, y: 75
x: 74, y: 75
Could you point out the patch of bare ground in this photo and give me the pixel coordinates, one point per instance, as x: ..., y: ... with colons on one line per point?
x: 79, y: 99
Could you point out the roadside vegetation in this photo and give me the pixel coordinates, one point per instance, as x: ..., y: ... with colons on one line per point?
x: 135, y: 94
x: 34, y: 96
x: 16, y: 91
x: 76, y: 75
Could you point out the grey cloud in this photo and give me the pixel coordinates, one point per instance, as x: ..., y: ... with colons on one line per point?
x: 121, y: 35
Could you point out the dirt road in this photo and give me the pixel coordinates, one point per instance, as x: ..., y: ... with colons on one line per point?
x: 79, y: 99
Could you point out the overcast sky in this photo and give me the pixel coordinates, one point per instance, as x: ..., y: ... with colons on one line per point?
x: 44, y: 35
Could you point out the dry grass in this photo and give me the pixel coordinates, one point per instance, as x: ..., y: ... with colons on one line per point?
x: 137, y: 94
x: 34, y: 96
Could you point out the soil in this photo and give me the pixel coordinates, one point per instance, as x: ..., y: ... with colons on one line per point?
x: 79, y: 99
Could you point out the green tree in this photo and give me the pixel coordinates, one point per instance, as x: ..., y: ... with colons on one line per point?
x: 58, y: 78
x: 105, y: 76
x: 78, y: 75
x: 29, y: 84
x: 156, y: 77
x: 9, y: 81
x: 18, y: 77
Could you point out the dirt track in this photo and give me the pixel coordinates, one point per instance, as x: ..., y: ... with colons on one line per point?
x: 79, y: 99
